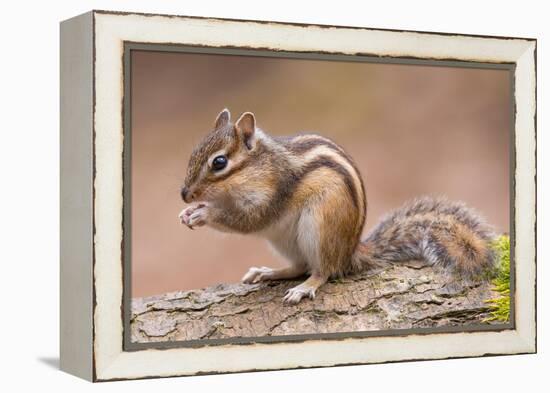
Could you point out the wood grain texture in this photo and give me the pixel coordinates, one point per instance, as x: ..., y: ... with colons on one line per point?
x: 399, y: 297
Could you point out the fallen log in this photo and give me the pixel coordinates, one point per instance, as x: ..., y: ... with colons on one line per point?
x: 403, y: 296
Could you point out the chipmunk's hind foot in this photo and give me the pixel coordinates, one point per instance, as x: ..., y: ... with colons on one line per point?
x: 294, y: 295
x: 306, y: 289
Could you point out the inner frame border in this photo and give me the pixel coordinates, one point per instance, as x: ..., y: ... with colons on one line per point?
x: 126, y: 308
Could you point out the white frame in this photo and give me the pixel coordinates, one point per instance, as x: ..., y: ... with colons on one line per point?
x: 92, y: 112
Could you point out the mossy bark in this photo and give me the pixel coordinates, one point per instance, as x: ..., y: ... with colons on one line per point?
x: 404, y: 296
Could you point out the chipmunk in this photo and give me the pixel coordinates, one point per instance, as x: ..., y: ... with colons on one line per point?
x: 305, y: 195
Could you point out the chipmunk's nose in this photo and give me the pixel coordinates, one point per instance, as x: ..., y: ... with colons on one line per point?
x: 185, y: 194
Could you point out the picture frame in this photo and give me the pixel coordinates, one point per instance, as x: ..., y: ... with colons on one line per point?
x: 95, y: 220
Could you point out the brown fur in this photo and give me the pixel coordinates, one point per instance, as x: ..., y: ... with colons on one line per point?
x: 438, y: 231
x: 463, y: 246
x: 310, y: 176
x: 336, y: 215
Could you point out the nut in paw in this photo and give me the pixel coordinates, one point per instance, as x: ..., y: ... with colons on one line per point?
x: 194, y: 215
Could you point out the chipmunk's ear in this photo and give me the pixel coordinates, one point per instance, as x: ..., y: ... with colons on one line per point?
x: 222, y: 119
x: 246, y: 127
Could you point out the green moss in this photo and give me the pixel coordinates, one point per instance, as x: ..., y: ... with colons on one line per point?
x: 500, y: 306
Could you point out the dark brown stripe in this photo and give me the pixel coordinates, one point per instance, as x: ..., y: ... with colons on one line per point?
x: 235, y: 143
x: 241, y: 165
x: 324, y: 161
x: 301, y: 147
x: 290, y: 182
x: 257, y: 157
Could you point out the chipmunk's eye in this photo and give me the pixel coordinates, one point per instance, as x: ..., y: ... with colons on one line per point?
x: 219, y: 163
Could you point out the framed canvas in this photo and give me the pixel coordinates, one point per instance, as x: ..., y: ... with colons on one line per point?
x: 215, y: 176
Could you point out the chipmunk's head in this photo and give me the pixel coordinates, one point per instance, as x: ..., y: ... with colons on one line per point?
x: 220, y: 160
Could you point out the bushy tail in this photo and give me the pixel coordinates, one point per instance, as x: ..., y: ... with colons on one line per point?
x: 434, y: 230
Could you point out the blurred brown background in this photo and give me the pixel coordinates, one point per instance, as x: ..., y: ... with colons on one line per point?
x: 413, y: 130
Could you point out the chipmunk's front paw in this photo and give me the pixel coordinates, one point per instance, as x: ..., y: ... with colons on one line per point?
x: 257, y: 274
x: 294, y: 295
x: 194, y: 215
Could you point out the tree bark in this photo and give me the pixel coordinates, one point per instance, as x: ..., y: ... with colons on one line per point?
x: 403, y: 296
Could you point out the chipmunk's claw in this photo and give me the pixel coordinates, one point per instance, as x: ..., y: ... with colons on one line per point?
x: 296, y: 294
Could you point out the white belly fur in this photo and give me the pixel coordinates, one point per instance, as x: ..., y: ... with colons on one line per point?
x: 295, y: 237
